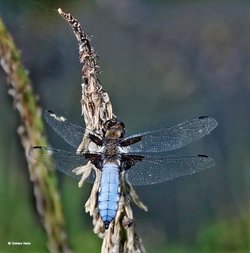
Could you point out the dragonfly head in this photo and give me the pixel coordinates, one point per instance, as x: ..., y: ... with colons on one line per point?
x: 113, y: 129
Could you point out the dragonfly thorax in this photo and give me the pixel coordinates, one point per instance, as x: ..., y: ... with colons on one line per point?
x: 111, y: 148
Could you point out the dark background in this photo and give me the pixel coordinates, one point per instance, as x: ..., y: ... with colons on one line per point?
x: 162, y: 62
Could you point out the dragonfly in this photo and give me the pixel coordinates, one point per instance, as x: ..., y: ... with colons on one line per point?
x: 142, y: 158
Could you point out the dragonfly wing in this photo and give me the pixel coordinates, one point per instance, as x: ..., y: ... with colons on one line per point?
x: 167, y: 139
x: 64, y: 161
x: 72, y: 134
x: 157, y: 169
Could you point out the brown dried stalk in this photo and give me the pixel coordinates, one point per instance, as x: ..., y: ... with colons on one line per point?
x: 96, y: 108
x: 31, y: 133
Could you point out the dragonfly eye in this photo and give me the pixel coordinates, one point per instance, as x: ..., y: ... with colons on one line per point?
x: 108, y: 124
x: 113, y: 123
x: 122, y: 129
x: 122, y: 125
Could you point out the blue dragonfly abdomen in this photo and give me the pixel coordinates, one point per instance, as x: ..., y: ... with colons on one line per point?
x: 109, y: 193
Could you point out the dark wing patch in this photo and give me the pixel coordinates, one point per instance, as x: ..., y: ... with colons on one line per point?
x: 129, y: 141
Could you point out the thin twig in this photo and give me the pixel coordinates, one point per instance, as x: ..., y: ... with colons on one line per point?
x: 31, y: 133
x: 97, y: 109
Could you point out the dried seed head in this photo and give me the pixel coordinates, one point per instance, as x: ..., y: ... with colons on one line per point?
x: 97, y: 109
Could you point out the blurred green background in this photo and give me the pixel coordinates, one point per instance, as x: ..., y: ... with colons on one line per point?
x: 162, y: 62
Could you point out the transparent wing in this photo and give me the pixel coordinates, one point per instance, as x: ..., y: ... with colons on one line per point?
x: 64, y: 161
x: 167, y: 139
x: 71, y: 133
x: 157, y: 169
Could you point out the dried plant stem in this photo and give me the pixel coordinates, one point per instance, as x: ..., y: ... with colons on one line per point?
x: 31, y: 134
x: 96, y: 108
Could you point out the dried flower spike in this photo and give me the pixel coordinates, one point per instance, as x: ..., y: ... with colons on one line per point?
x: 97, y: 109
